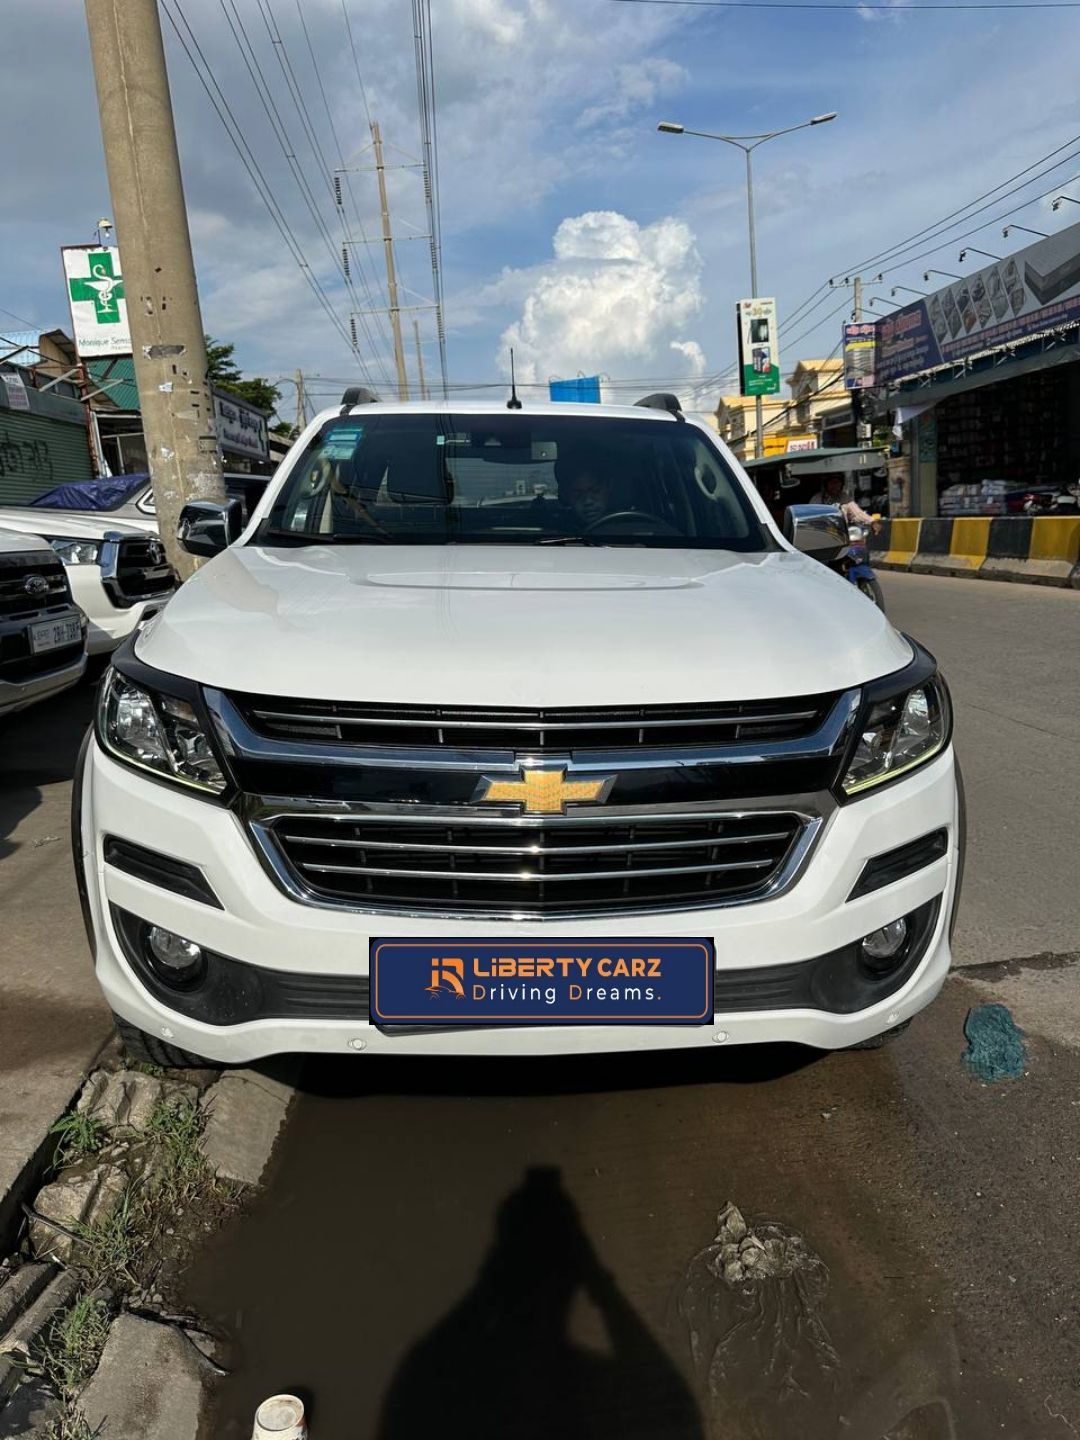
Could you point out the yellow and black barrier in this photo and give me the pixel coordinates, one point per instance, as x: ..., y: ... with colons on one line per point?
x: 1039, y: 551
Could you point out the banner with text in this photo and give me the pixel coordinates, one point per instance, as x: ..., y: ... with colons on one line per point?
x: 95, y: 287
x: 1036, y: 289
x: 759, y: 347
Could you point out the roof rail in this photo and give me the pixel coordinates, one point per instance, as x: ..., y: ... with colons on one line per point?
x: 358, y: 395
x: 662, y: 400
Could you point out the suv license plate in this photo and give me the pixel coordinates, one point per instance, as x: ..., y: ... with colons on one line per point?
x: 554, y: 981
x: 55, y: 634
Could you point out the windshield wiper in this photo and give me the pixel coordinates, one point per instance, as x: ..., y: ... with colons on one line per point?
x: 570, y: 540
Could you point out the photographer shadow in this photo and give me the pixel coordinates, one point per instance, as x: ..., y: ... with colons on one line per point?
x: 503, y: 1363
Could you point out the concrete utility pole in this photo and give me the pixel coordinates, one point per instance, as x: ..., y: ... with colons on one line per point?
x: 856, y: 307
x: 419, y: 360
x: 391, y: 274
x: 301, y: 401
x: 155, y: 249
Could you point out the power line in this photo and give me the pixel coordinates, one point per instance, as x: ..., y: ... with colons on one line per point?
x: 370, y: 287
x: 356, y: 63
x: 288, y: 72
x: 266, y: 98
x: 247, y: 158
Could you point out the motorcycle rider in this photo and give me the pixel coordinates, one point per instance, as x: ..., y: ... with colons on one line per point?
x: 832, y: 492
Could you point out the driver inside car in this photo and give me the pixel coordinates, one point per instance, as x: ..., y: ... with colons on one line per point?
x: 588, y: 488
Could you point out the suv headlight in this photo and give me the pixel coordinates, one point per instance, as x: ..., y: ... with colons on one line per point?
x: 899, y: 731
x: 157, y: 732
x: 77, y: 552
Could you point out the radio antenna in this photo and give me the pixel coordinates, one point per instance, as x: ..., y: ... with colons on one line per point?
x: 513, y: 403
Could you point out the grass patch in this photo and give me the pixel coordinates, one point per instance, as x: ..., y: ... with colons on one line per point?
x: 124, y: 1255
x: 112, y: 1252
x: 72, y: 1350
x: 79, y: 1136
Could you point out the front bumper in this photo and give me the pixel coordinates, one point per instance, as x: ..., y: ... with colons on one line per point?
x: 261, y: 925
x: 109, y: 624
x: 19, y: 694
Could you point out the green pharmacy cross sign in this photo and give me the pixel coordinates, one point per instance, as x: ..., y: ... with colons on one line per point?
x: 101, y: 286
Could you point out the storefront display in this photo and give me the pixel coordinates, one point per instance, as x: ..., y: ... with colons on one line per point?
x: 1001, y: 437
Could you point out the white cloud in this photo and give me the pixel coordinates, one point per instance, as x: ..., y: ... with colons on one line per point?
x: 694, y: 355
x: 636, y: 85
x: 614, y: 300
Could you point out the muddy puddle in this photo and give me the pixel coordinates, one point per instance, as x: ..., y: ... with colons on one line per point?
x: 659, y: 1248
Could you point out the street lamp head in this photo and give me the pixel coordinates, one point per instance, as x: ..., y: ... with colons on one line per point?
x: 824, y: 119
x: 670, y: 128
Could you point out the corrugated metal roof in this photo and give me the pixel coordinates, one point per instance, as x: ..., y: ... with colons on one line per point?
x: 117, y: 378
x: 27, y: 340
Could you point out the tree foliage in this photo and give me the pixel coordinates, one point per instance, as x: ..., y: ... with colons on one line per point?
x: 224, y: 374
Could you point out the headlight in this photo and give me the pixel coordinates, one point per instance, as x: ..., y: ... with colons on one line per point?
x: 157, y: 732
x: 78, y: 552
x: 898, y: 733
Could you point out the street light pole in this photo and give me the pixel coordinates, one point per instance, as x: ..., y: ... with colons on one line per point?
x: 748, y: 144
x: 759, y: 404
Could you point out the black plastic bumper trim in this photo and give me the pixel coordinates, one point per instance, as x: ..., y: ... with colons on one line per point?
x: 904, y: 860
x: 160, y: 870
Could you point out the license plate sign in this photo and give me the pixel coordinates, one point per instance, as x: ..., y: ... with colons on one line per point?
x: 542, y: 982
x: 55, y: 634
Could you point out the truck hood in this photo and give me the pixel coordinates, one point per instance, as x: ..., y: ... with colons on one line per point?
x: 487, y: 625
x: 66, y: 524
x: 19, y: 542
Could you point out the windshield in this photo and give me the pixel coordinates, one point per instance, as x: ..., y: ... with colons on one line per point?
x: 518, y: 479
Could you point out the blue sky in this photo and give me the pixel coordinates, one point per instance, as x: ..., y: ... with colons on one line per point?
x: 569, y: 225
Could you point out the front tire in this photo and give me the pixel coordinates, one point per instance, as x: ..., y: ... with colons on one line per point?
x: 872, y: 590
x: 878, y: 1042
x: 146, y: 1049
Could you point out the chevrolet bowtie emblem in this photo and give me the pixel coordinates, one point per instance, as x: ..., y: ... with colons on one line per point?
x: 542, y: 792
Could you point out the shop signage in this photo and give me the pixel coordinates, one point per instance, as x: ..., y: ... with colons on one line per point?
x: 860, y: 354
x: 240, y: 427
x: 585, y: 390
x: 1036, y: 289
x: 15, y: 389
x: 95, y: 286
x: 759, y: 347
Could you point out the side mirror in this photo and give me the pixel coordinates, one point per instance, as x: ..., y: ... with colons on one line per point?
x: 206, y: 528
x: 817, y: 530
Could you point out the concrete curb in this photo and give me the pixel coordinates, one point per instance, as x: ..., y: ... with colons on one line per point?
x: 245, y: 1112
x: 28, y: 1177
x: 1044, y: 550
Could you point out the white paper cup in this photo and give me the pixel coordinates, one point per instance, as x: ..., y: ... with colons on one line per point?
x: 280, y: 1418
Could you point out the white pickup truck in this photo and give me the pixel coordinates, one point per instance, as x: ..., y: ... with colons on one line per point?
x: 42, y: 633
x: 515, y: 731
x: 117, y: 568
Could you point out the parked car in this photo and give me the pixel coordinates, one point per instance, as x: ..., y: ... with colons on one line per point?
x: 42, y: 632
x: 129, y: 499
x: 515, y: 732
x: 118, y: 573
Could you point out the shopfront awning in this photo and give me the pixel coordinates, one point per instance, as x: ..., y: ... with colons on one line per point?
x: 825, y: 461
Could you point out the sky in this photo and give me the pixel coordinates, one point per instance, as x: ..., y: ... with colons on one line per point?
x: 572, y: 230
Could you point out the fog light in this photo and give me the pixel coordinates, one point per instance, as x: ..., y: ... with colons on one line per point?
x: 172, y: 958
x: 882, y: 949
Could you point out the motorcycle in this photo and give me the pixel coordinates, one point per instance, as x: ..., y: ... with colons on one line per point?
x: 854, y: 564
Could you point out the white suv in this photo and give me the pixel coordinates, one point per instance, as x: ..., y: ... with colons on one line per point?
x: 515, y: 731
